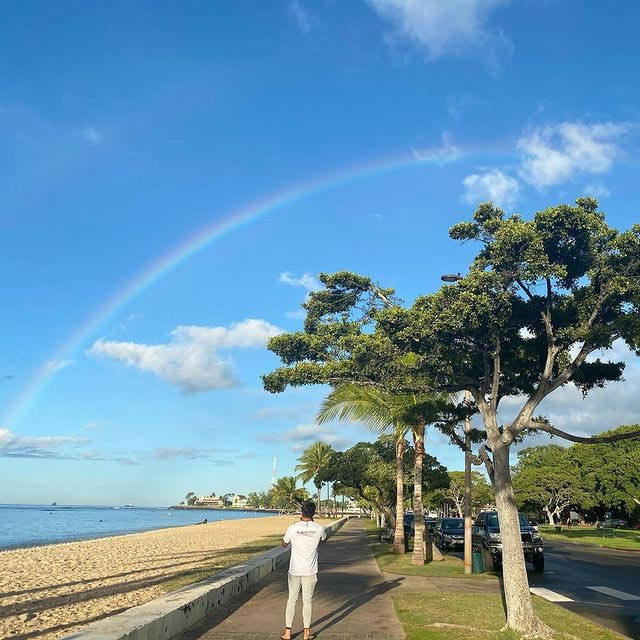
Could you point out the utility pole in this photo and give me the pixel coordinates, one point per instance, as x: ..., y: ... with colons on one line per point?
x: 467, y: 490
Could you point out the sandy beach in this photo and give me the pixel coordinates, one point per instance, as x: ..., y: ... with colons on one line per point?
x: 51, y: 591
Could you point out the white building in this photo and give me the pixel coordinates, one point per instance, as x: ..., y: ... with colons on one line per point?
x: 239, y: 501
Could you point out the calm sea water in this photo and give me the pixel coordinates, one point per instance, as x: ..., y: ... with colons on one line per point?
x: 31, y: 525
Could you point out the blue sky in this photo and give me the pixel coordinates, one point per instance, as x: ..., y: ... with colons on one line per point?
x: 129, y: 129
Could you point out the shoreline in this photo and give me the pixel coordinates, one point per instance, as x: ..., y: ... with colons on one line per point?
x: 72, y: 524
x: 107, y: 536
x: 50, y: 591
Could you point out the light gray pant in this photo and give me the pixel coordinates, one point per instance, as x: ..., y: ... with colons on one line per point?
x: 308, y: 584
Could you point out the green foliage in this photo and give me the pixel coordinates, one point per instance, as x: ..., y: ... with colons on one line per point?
x: 594, y: 479
x: 481, y: 492
x: 313, y: 460
x: 286, y: 495
x: 368, y: 470
x: 609, y: 473
x: 544, y: 480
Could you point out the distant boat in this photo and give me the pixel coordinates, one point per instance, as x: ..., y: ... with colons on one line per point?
x: 54, y: 504
x: 128, y: 506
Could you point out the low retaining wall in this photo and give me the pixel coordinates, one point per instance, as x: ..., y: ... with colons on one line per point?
x: 170, y: 615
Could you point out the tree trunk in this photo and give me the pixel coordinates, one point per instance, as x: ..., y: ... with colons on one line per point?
x: 398, y: 538
x: 328, y: 499
x: 418, y: 556
x: 389, y: 517
x: 520, y: 615
x: 460, y: 512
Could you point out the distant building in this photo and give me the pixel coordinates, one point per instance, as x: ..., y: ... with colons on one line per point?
x: 239, y: 501
x: 209, y: 501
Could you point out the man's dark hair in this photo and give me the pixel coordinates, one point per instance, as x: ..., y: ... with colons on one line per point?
x: 308, y: 509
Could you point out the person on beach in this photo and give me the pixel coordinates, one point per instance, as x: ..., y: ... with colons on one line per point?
x: 304, y: 537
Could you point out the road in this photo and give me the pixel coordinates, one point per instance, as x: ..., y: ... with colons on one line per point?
x: 572, y: 571
x: 576, y: 571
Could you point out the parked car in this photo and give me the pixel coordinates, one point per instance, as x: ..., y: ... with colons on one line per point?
x: 430, y: 523
x: 407, y: 522
x: 486, y: 537
x: 615, y: 523
x: 449, y: 533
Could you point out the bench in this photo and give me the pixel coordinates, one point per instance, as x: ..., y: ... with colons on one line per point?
x: 608, y: 532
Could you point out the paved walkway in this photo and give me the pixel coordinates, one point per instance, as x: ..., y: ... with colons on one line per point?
x: 352, y: 599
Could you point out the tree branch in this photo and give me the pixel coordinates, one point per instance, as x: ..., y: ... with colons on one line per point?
x: 539, y: 426
x: 488, y: 463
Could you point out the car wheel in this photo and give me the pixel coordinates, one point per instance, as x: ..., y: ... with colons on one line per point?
x: 538, y: 562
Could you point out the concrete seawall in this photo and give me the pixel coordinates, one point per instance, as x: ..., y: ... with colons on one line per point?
x: 169, y: 615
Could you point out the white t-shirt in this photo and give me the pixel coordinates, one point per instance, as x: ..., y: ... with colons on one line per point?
x: 304, y: 536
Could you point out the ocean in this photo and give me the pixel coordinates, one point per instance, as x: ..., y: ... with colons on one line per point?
x: 32, y: 525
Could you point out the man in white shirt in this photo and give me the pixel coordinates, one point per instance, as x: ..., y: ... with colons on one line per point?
x: 304, y: 537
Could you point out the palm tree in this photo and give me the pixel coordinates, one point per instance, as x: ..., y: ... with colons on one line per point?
x: 380, y: 412
x: 287, y: 495
x: 398, y: 412
x: 313, y: 460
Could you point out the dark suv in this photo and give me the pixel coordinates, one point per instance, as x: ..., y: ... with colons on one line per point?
x: 486, y: 537
x: 449, y: 533
x: 407, y: 522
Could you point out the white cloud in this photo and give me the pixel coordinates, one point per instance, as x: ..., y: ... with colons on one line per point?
x: 93, y: 426
x: 191, y: 360
x: 492, y: 185
x: 596, y: 190
x: 281, y: 413
x: 617, y: 404
x: 441, y: 27
x: 15, y: 446
x: 442, y: 153
x: 306, y: 281
x: 299, y: 314
x: 303, y: 435
x: 190, y: 453
x: 303, y: 18
x: 92, y: 135
x: 558, y: 153
x: 53, y: 366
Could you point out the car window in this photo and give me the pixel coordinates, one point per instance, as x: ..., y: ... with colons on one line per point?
x: 492, y: 520
x: 453, y: 524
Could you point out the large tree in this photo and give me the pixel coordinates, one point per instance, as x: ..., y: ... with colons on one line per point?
x: 545, y: 479
x: 380, y: 412
x: 608, y: 473
x: 541, y: 298
x: 481, y: 492
x: 368, y: 470
x: 286, y: 495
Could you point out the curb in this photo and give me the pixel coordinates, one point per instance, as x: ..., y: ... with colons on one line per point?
x: 170, y: 615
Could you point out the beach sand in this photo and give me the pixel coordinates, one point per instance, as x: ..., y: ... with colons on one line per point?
x: 51, y: 591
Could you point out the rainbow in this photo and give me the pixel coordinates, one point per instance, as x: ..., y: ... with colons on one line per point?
x: 217, y: 230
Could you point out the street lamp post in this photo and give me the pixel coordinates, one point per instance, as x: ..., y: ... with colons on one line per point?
x: 467, y: 489
x: 467, y: 465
